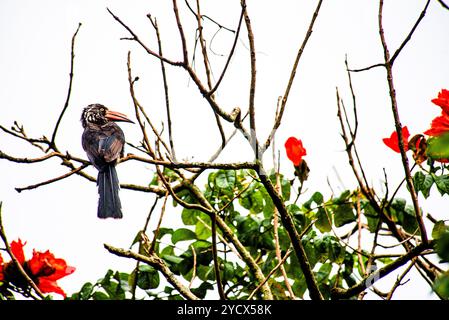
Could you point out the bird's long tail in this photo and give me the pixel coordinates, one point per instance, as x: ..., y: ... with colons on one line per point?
x: 109, y: 205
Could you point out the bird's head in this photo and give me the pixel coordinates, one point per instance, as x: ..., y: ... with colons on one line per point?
x: 100, y: 115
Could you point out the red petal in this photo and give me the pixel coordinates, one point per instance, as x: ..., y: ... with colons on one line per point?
x: 17, y: 250
x: 46, y: 286
x: 295, y: 150
x: 442, y: 100
x: 393, y: 141
x: 439, y: 125
x: 44, y: 264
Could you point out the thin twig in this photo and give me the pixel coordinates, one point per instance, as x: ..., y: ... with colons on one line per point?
x: 209, y: 18
x: 19, y: 132
x: 280, y: 263
x: 252, y: 88
x: 231, y: 53
x: 410, y: 34
x: 276, y: 229
x: 208, y: 71
x: 164, y: 79
x: 292, y: 76
x: 339, y: 293
x: 69, y: 92
x: 398, y: 281
x: 40, y: 184
x: 148, y: 50
x: 156, y: 231
x: 131, y: 81
x: 194, y: 266
x: 397, y: 122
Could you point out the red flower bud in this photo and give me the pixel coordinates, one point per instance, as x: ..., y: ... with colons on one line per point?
x: 295, y: 150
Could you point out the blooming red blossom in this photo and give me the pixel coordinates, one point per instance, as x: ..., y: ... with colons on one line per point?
x: 43, y: 268
x: 295, y: 150
x: 443, y: 100
x: 439, y: 125
x: 393, y: 141
x: 47, y: 269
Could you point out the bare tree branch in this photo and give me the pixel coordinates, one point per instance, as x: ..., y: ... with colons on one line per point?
x: 394, y: 106
x: 157, y: 263
x: 338, y: 293
x: 164, y: 78
x: 69, y: 92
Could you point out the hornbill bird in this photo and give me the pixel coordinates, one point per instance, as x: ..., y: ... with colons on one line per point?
x: 103, y: 141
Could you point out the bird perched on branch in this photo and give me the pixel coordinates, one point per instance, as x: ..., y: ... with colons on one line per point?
x: 103, y: 141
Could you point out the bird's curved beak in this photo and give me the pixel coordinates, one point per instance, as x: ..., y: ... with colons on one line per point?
x: 117, y: 116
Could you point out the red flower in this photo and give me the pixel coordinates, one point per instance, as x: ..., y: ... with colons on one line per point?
x: 295, y: 150
x: 443, y: 100
x: 439, y: 125
x: 43, y: 268
x: 47, y: 270
x: 393, y: 141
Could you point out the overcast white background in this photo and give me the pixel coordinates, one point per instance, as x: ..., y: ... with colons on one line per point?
x: 34, y: 72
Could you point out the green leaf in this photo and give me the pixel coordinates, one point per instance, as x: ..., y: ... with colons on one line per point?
x: 441, y: 286
x: 148, y: 277
x: 297, y: 214
x: 408, y: 220
x: 257, y: 202
x: 439, y: 229
x: 418, y: 180
x: 98, y: 295
x: 344, y: 214
x: 202, y: 231
x: 182, y: 234
x: 228, y: 271
x: 225, y: 179
x: 438, y: 147
x: 201, y: 291
x: 442, y: 183
x: 317, y: 197
x: 335, y: 251
x: 106, y: 280
x: 173, y: 259
x: 323, y: 273
x: 423, y: 182
x: 86, y: 291
x: 323, y: 221
x: 205, y: 273
x: 299, y: 286
x: 164, y: 231
x: 344, y: 196
x: 427, y: 185
x: 188, y: 216
x: 285, y: 188
x: 268, y: 209
x: 442, y: 247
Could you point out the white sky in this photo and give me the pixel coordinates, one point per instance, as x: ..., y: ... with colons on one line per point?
x: 34, y: 65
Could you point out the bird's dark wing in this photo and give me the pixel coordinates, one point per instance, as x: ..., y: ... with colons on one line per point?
x: 103, y: 144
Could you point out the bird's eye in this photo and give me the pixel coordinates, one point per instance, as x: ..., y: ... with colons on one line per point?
x: 103, y: 110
